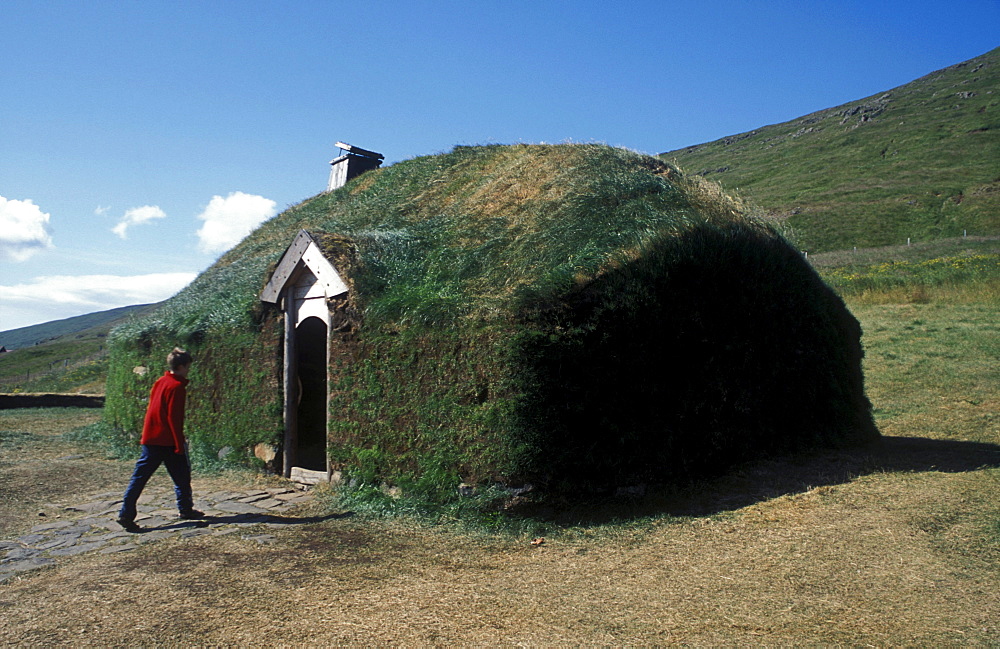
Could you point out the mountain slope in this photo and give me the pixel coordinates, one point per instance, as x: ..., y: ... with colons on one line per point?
x: 32, y: 335
x: 66, y: 355
x: 921, y: 161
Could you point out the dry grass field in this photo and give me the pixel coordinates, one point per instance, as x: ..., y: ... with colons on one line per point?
x: 896, y: 544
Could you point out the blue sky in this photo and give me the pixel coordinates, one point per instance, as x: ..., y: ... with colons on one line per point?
x: 138, y: 141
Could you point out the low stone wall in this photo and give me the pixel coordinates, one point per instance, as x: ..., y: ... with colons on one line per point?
x: 44, y: 400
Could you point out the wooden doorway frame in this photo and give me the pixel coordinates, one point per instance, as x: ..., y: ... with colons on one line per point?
x: 301, y: 285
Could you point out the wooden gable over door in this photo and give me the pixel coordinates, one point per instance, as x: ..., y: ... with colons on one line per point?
x: 303, y: 257
x: 300, y: 285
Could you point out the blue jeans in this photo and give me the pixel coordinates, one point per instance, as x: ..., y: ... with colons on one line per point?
x: 150, y: 460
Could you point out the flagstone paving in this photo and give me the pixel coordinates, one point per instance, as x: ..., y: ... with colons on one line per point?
x: 93, y: 527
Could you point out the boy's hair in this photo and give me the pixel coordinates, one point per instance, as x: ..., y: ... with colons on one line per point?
x: 178, y: 358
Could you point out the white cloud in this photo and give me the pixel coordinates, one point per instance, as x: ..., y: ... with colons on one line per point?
x: 137, y: 216
x: 63, y: 296
x: 100, y: 210
x: 24, y: 229
x: 228, y: 220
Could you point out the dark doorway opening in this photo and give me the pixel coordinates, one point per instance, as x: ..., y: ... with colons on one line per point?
x: 310, y: 342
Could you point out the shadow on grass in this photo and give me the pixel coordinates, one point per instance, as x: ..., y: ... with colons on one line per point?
x: 763, y: 480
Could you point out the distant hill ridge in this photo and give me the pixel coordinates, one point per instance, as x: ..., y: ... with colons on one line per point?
x: 921, y: 161
x: 35, y: 334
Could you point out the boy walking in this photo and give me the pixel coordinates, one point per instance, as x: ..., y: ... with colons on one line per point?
x: 163, y: 442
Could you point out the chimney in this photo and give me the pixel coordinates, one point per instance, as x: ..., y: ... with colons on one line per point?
x: 353, y: 162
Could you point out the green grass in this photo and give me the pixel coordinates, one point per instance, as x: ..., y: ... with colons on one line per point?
x: 931, y: 336
x: 940, y: 273
x: 916, y: 252
x: 936, y: 368
x: 77, y: 364
x: 922, y: 164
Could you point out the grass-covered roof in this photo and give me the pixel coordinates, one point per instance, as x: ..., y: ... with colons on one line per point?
x: 565, y: 315
x: 479, y: 232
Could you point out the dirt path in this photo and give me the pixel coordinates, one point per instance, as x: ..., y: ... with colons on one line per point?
x: 90, y: 525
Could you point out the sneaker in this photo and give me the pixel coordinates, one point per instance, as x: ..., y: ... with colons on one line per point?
x: 192, y: 515
x: 129, y: 526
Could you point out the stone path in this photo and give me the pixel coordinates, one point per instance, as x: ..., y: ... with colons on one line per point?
x: 92, y: 526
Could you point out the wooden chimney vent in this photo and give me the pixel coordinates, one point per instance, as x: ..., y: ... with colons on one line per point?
x: 353, y: 162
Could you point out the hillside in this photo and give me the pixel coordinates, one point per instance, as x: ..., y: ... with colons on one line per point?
x: 48, y: 331
x: 66, y: 355
x: 920, y: 161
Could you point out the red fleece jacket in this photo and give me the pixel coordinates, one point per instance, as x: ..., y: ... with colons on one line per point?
x: 164, y: 425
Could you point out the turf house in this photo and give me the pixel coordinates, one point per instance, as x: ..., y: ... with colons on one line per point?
x: 569, y: 316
